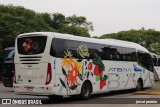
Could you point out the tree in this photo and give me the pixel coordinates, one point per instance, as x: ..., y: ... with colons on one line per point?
x: 78, y: 31
x: 79, y: 21
x: 76, y: 25
x: 58, y: 20
x: 15, y: 20
x: 147, y: 38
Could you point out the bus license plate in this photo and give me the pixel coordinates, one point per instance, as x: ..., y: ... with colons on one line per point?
x: 29, y: 88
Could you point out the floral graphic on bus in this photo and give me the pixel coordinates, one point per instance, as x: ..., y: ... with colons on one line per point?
x: 30, y: 45
x: 67, y: 62
x: 98, y: 71
x: 83, y: 51
x: 68, y: 54
x: 81, y: 69
x: 73, y: 74
x: 90, y: 66
x: 71, y: 69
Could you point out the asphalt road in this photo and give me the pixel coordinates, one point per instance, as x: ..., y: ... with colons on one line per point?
x: 112, y: 99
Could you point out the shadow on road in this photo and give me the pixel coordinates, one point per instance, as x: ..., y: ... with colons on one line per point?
x: 94, y: 99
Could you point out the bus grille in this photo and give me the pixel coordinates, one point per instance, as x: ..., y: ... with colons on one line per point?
x: 30, y: 59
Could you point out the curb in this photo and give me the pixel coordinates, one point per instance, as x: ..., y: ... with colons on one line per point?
x: 146, y: 93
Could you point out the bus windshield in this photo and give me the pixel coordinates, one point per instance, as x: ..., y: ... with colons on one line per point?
x: 31, y: 45
x: 8, y: 53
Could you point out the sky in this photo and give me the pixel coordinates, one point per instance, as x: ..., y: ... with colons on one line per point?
x: 107, y: 16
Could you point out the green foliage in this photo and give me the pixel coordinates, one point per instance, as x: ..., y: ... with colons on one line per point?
x: 150, y: 39
x: 70, y: 25
x: 79, y: 22
x: 74, y: 30
x: 15, y: 20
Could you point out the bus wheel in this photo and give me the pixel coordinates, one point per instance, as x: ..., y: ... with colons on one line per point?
x: 86, y: 90
x: 139, y: 86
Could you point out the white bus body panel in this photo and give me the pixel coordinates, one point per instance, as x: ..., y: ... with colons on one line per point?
x: 121, y: 74
x: 157, y: 68
x: 31, y: 78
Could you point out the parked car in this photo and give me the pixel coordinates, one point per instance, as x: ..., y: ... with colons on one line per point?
x: 8, y: 66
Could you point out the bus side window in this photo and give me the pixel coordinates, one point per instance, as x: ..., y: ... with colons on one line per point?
x: 127, y: 58
x: 145, y: 60
x: 129, y: 54
x: 75, y: 54
x: 115, y: 57
x: 121, y: 57
x: 52, y: 49
x: 92, y: 55
x: 108, y: 56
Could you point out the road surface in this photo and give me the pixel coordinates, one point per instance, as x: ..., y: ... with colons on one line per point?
x: 112, y: 99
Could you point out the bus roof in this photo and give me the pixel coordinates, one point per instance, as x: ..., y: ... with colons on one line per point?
x: 113, y: 42
x: 153, y: 54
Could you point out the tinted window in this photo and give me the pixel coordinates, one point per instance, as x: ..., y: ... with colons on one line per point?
x: 31, y: 45
x: 107, y: 52
x: 57, y: 48
x: 129, y: 54
x: 155, y: 60
x: 11, y: 55
x: 6, y: 53
x: 145, y: 60
x: 69, y: 48
x: 64, y: 48
x: 119, y: 53
x: 76, y: 49
x: 95, y: 50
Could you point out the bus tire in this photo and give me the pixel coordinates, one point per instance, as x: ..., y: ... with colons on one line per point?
x: 139, y: 86
x: 86, y: 90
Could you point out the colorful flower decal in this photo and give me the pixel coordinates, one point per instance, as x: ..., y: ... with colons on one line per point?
x: 81, y: 69
x: 72, y: 75
x: 68, y: 54
x: 72, y: 72
x: 67, y: 62
x: 30, y: 45
x: 98, y: 71
x: 90, y: 66
x: 83, y: 51
x: 102, y: 83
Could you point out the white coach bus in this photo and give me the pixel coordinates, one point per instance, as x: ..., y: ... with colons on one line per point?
x: 55, y: 64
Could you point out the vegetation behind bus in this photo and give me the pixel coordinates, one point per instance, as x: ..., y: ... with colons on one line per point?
x: 150, y: 38
x: 15, y: 20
